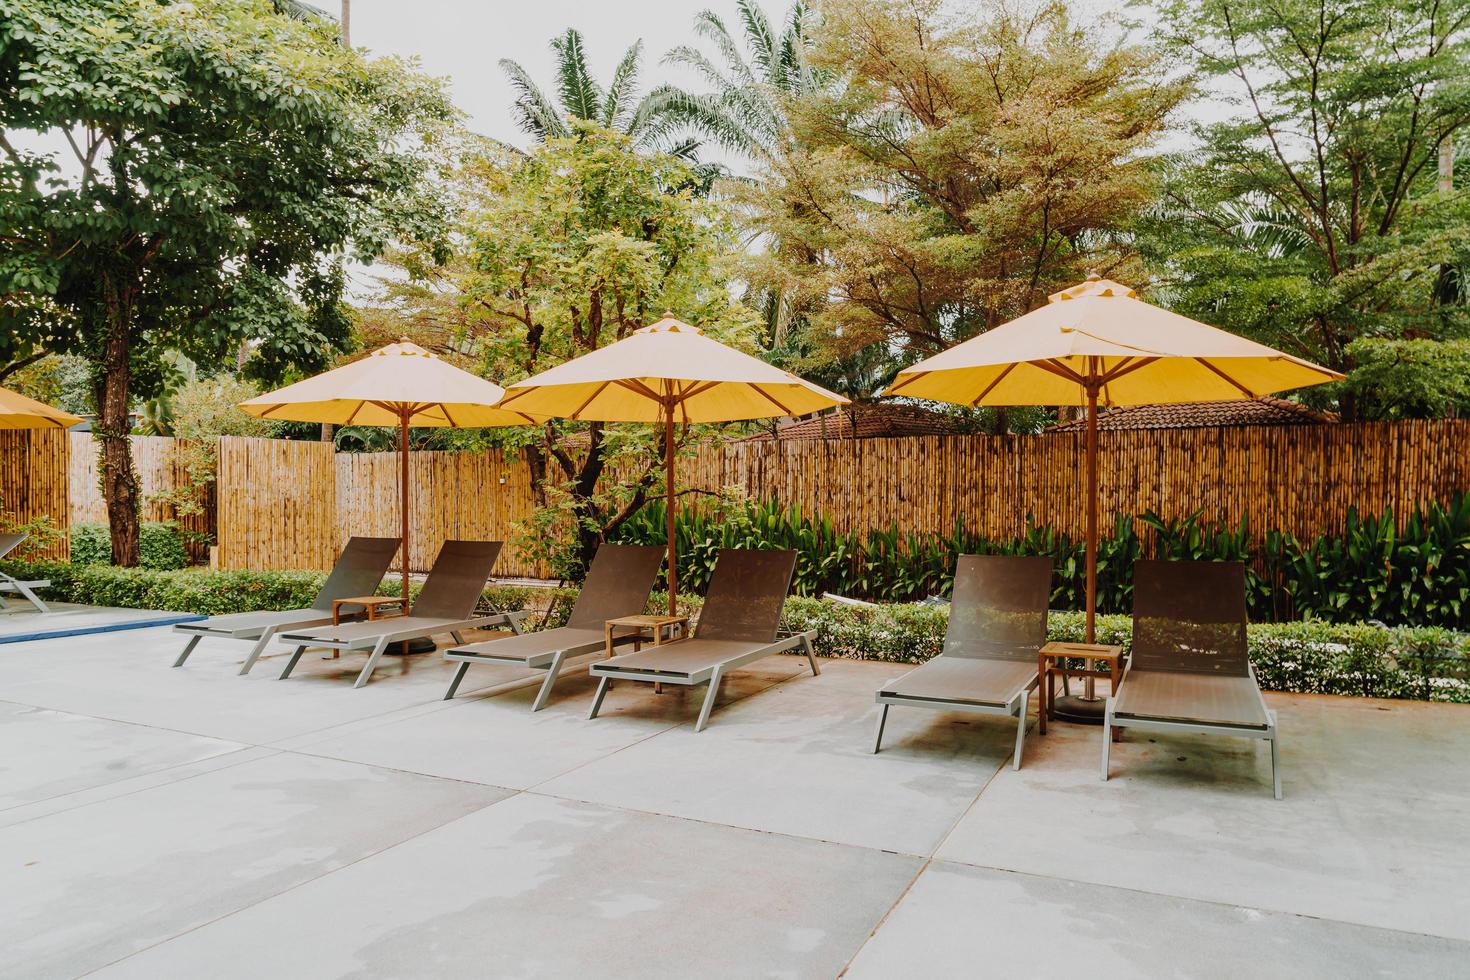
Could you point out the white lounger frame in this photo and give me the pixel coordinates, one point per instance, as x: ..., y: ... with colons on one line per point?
x: 1016, y: 706
x: 262, y: 635
x: 551, y: 661
x: 1269, y: 733
x: 380, y: 642
x: 710, y: 674
x: 9, y: 583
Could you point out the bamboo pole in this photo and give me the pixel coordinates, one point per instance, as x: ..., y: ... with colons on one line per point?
x: 669, y: 492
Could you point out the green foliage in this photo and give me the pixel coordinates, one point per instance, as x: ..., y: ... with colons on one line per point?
x: 966, y: 161
x: 572, y: 248
x: 90, y: 545
x: 1310, y: 217
x: 160, y: 546
x: 41, y: 533
x: 222, y: 161
x: 1397, y: 379
x: 1373, y: 570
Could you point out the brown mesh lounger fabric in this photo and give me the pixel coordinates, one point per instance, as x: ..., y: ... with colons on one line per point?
x: 359, y: 570
x: 1189, y: 670
x: 9, y: 583
x: 619, y: 583
x: 739, y: 624
x: 446, y: 605
x: 997, y: 626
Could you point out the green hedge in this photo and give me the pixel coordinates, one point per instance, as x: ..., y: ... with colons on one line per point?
x: 160, y: 545
x: 1426, y: 663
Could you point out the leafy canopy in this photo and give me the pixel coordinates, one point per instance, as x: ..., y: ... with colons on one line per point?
x: 221, y: 160
x: 1310, y: 217
x: 963, y: 167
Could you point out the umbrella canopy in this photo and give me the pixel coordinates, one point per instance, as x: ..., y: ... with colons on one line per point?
x: 1097, y: 342
x: 401, y: 385
x: 1133, y: 352
x: 393, y: 383
x: 19, y: 412
x: 667, y: 372
x: 668, y: 362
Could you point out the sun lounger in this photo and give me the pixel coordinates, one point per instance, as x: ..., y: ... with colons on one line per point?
x: 9, y: 583
x: 997, y: 626
x: 446, y: 605
x: 740, y: 624
x: 1189, y: 670
x: 359, y: 570
x: 618, y: 584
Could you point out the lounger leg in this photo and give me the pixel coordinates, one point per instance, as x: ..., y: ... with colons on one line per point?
x: 464, y: 668
x: 515, y: 624
x: 806, y: 644
x: 709, y: 700
x: 1107, y: 738
x: 35, y: 599
x: 457, y: 637
x: 367, y: 670
x: 257, y: 650
x: 1275, y: 757
x: 882, y: 720
x: 1020, y: 730
x: 602, y: 686
x: 188, y: 649
x: 551, y: 672
x: 291, y: 664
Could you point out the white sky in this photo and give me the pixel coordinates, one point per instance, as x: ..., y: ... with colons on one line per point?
x: 464, y: 40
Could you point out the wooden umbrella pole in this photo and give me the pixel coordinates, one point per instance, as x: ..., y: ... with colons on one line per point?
x: 669, y: 491
x: 403, y: 499
x: 1091, y: 517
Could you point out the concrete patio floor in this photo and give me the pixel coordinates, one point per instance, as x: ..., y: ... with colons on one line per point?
x: 190, y: 823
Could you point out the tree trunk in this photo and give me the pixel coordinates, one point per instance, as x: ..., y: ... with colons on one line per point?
x: 119, y: 479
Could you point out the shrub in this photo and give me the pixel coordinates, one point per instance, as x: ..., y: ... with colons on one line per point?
x: 160, y: 545
x: 91, y: 544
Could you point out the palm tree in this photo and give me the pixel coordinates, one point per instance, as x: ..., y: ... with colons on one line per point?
x: 745, y: 110
x: 646, y: 120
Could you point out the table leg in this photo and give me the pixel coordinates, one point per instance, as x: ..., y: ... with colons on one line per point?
x: 1042, y: 690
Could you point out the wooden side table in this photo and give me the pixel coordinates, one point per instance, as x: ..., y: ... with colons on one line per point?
x: 373, y: 605
x: 1049, y: 664
x: 659, y: 628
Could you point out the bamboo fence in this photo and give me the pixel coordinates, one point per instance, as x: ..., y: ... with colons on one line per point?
x: 34, y: 481
x: 286, y: 504
x: 160, y: 464
x: 1301, y: 479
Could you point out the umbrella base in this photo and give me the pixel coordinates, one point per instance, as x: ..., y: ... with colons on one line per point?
x: 423, y: 644
x: 1080, y: 710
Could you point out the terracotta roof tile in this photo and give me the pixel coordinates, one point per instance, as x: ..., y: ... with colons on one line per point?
x: 874, y: 421
x: 1195, y: 415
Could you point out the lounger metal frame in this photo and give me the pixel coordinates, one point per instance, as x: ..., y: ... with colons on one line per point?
x: 1016, y: 706
x: 9, y: 583
x: 262, y: 635
x: 1269, y: 733
x: 379, y: 642
x: 551, y: 661
x: 609, y: 671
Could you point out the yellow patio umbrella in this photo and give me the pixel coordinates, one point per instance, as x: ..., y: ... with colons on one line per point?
x: 400, y: 385
x: 1098, y: 343
x: 19, y: 412
x: 667, y: 372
